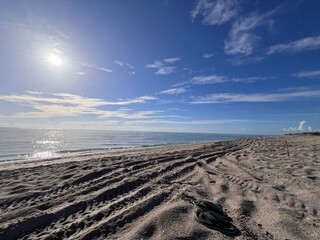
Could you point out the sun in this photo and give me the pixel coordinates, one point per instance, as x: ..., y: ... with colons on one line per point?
x: 55, y: 60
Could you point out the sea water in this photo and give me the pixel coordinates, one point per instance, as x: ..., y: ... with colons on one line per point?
x: 21, y: 144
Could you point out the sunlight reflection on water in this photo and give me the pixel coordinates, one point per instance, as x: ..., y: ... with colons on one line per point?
x: 48, y: 146
x: 20, y: 144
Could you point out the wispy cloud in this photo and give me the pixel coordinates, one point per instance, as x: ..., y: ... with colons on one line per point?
x: 126, y: 65
x: 65, y: 104
x: 162, y: 68
x: 256, y: 97
x: 308, y: 74
x: 208, y: 55
x: 21, y: 25
x: 145, y: 122
x: 305, y: 44
x: 39, y: 26
x: 71, y: 99
x: 295, y: 114
x: 142, y: 99
x: 165, y: 66
x: 174, y: 91
x: 171, y: 60
x: 119, y: 63
x: 208, y: 79
x: 215, y: 12
x: 244, y: 59
x: 213, y: 79
x: 242, y: 39
x: 34, y: 92
x: 93, y: 66
x: 293, y: 89
x: 81, y: 73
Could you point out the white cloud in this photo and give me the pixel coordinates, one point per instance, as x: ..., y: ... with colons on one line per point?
x: 20, y: 25
x: 122, y: 64
x: 72, y: 99
x: 244, y: 59
x: 293, y: 89
x: 174, y: 91
x: 208, y: 55
x: 145, y: 122
x: 302, y: 125
x: 208, y: 79
x: 308, y: 43
x: 242, y: 39
x: 171, y: 60
x: 309, y: 74
x: 81, y: 73
x: 255, y: 97
x: 301, y: 128
x: 295, y: 114
x: 129, y: 65
x: 216, y: 12
x: 119, y: 63
x: 93, y: 66
x: 34, y: 92
x: 213, y: 79
x: 250, y: 79
x: 163, y: 67
x: 64, y: 104
x: 126, y: 65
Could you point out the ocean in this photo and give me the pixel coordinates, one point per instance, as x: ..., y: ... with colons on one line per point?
x: 23, y: 144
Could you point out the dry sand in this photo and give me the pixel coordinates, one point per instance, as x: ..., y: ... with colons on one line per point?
x: 146, y: 194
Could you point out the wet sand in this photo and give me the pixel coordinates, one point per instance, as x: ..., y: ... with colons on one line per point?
x: 148, y: 193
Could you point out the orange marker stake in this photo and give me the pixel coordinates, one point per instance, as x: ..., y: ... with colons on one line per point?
x: 287, y: 147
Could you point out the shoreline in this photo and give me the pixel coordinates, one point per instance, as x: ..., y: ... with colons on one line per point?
x: 146, y: 193
x: 12, y: 164
x: 45, y: 144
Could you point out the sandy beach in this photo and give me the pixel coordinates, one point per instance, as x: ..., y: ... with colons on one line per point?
x: 148, y: 193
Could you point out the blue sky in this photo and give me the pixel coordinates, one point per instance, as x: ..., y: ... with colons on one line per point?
x: 224, y: 66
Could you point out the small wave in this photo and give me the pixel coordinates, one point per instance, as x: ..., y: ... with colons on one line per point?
x: 13, y: 155
x: 151, y: 145
x: 160, y: 144
x: 81, y: 150
x: 91, y: 149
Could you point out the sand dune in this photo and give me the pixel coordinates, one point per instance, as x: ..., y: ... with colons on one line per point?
x: 147, y: 194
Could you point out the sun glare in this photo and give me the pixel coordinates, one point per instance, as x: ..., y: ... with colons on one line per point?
x: 55, y: 60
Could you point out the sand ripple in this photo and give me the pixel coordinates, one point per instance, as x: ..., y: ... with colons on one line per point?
x: 147, y: 194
